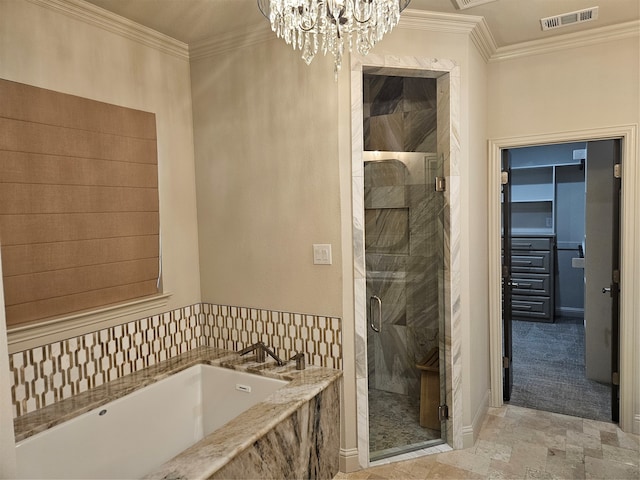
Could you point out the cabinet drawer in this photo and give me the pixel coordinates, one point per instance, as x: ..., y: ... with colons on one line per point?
x: 531, y: 243
x: 530, y: 262
x: 531, y: 307
x: 531, y: 284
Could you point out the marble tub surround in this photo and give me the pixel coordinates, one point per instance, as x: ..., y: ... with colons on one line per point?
x: 304, y: 443
x: 213, y: 452
x: 293, y: 433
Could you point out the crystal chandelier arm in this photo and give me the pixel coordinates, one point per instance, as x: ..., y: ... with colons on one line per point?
x: 355, y: 10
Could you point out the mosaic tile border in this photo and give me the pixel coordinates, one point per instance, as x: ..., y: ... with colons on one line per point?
x: 45, y: 375
x: 234, y: 328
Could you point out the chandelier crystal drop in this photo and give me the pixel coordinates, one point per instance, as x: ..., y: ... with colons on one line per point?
x: 332, y: 25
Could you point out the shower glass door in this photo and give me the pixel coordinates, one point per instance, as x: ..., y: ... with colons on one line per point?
x: 404, y: 255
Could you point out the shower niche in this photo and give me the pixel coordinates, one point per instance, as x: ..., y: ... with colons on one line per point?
x: 404, y: 260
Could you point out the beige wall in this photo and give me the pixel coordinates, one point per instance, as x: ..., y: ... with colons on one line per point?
x: 43, y: 47
x: 266, y: 144
x: 573, y: 89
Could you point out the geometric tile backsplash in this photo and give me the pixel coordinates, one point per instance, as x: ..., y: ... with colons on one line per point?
x: 234, y: 328
x: 45, y: 375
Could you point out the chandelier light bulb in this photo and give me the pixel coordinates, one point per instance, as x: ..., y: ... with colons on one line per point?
x: 332, y: 25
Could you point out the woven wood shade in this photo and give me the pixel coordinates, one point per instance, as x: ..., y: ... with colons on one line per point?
x: 79, y: 219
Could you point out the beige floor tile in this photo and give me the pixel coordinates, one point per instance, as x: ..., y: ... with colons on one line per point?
x: 628, y: 440
x: 505, y: 470
x: 602, y: 426
x: 620, y: 455
x: 492, y: 450
x: 583, y: 439
x: 466, y: 460
x: 450, y: 472
x: 519, y: 443
x: 535, y: 474
x: 529, y: 455
x: 599, y: 469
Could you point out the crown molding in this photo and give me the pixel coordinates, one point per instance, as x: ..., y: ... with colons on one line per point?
x: 568, y: 41
x: 94, y: 15
x: 474, y: 26
x: 253, y: 35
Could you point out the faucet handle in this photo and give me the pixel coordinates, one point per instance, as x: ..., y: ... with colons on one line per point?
x: 300, y: 360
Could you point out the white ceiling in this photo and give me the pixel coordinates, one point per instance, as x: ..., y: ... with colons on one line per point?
x: 510, y: 21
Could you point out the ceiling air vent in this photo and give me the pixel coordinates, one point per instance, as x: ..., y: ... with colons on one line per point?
x: 571, y: 18
x: 462, y: 4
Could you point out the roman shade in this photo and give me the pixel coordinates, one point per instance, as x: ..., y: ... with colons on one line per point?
x: 79, y: 219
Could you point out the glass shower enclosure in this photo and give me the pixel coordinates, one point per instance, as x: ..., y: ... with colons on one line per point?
x: 404, y: 259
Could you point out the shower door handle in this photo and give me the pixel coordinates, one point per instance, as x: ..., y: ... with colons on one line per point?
x: 379, y: 302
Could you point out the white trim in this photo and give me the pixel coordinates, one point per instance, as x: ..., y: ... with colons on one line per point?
x: 629, y: 238
x: 23, y: 337
x: 470, y: 432
x: 474, y: 26
x: 113, y: 23
x: 570, y: 40
x: 349, y: 460
x: 226, y: 42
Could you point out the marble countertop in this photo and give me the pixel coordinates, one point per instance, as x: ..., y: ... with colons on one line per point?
x: 215, y: 450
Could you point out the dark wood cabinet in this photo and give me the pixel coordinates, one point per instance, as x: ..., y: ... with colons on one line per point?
x: 532, y: 275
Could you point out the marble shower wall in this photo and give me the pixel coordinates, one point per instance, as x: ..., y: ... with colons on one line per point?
x: 399, y: 113
x: 403, y: 254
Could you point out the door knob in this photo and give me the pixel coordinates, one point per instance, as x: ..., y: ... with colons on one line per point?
x: 606, y: 290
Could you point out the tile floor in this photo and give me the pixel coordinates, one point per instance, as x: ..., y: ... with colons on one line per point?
x: 394, y: 423
x: 520, y: 443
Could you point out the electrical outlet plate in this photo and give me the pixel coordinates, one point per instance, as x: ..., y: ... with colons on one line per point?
x: 322, y: 254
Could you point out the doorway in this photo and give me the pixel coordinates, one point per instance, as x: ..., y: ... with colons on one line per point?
x: 366, y: 311
x: 562, y: 360
x: 404, y: 261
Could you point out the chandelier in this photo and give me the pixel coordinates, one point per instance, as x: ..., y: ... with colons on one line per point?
x: 332, y: 25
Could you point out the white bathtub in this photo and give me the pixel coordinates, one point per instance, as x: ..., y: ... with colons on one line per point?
x: 131, y: 436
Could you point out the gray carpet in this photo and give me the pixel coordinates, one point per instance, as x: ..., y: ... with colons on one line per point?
x: 549, y: 371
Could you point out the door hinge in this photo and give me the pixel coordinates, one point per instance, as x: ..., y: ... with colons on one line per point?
x: 617, y: 170
x: 441, y: 184
x: 615, y: 378
x: 615, y: 276
x: 443, y: 413
x: 504, y: 178
x: 505, y: 271
x: 505, y: 362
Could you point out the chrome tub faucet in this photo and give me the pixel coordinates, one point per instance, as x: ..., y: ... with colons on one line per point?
x: 261, y: 353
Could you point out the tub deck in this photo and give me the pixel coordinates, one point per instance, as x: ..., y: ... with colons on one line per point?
x: 215, y: 451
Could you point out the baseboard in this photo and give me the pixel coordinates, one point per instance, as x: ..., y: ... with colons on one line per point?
x: 570, y: 312
x: 349, y: 460
x: 470, y: 432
